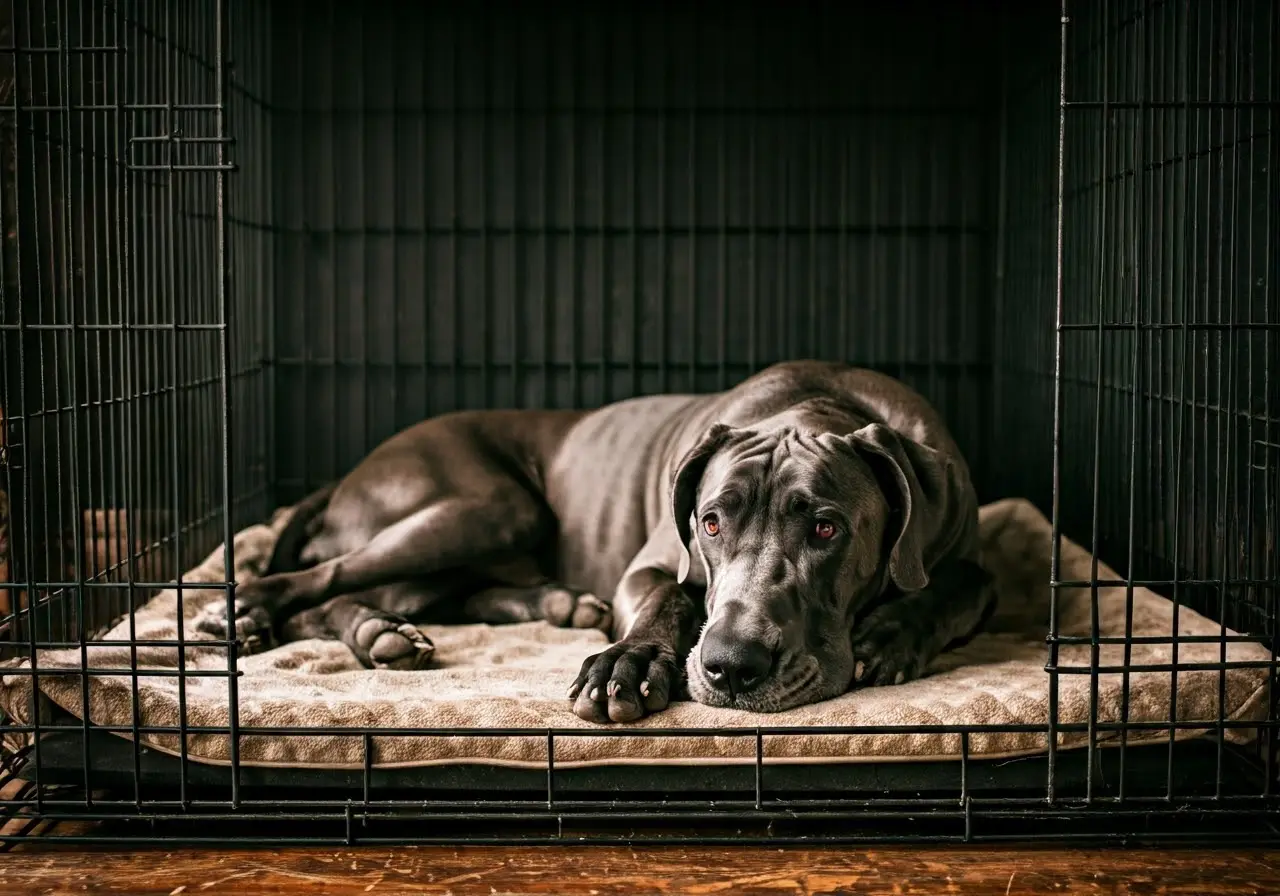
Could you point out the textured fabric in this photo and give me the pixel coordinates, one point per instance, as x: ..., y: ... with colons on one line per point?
x: 516, y: 677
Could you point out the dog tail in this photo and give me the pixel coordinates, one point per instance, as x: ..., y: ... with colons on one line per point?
x: 301, y: 528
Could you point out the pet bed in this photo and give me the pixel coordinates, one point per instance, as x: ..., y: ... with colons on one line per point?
x: 516, y: 676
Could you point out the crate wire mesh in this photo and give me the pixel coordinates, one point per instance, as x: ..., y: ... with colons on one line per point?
x: 247, y: 241
x: 1166, y: 316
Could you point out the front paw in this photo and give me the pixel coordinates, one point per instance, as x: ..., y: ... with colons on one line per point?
x: 625, y: 682
x: 890, y: 651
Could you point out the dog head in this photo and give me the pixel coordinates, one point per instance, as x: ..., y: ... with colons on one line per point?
x: 793, y: 533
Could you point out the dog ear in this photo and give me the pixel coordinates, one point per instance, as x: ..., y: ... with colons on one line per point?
x: 923, y: 494
x: 684, y: 485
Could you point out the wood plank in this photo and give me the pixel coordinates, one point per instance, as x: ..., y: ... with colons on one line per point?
x: 606, y: 871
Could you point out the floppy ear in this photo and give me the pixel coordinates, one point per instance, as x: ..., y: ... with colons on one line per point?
x: 927, y: 492
x: 684, y: 486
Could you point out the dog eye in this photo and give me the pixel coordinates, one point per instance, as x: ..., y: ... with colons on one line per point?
x: 824, y: 529
x: 711, y: 524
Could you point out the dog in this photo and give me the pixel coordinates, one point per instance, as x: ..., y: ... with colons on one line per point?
x: 811, y: 529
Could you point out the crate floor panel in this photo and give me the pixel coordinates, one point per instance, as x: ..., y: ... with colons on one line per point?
x: 112, y: 770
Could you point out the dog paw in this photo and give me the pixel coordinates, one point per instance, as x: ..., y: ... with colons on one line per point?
x: 566, y: 608
x: 251, y: 625
x: 392, y: 644
x: 625, y: 682
x: 890, y: 653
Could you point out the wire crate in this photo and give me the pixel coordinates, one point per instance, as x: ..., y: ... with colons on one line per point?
x: 246, y: 240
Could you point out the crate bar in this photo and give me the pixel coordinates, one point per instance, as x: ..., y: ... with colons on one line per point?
x: 692, y: 188
x: 759, y: 770
x: 1055, y: 561
x: 305, y: 397
x: 844, y: 146
x: 1226, y: 246
x: 1106, y: 134
x: 148, y: 301
x: 334, y: 288
x: 812, y: 348
x: 399, y: 201
x: 551, y: 769
x: 171, y: 127
x: 784, y: 342
x: 633, y: 225
x: 722, y: 272
x: 612, y: 230
x: 366, y: 771
x: 545, y: 233
x: 603, y: 292
x: 112, y: 415
x: 24, y: 368
x: 1199, y: 440
x: 1201, y: 725
x: 1134, y: 837
x: 1137, y: 326
x: 1174, y: 105
x: 58, y: 50
x: 131, y: 314
x: 517, y: 245
x: 1183, y: 291
x: 224, y: 301
x: 1251, y: 486
x: 487, y: 40
x: 1135, y: 373
x: 172, y: 137
x: 491, y: 809
x: 455, y: 216
x: 664, y: 226
x: 75, y: 341
x: 1270, y: 303
x: 207, y: 169
x: 753, y: 274
x: 573, y: 190
x: 362, y: 191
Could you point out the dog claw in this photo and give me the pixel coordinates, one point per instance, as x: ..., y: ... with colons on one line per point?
x: 612, y: 689
x: 595, y: 694
x: 574, y: 690
x: 644, y: 689
x: 859, y: 670
x: 898, y: 679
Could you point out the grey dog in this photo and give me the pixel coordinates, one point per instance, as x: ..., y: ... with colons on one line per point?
x: 765, y: 547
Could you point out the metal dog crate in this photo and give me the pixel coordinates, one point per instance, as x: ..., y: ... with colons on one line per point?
x: 244, y: 241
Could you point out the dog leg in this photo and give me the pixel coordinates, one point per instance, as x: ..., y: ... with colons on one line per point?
x: 897, y: 640
x: 452, y: 533
x: 642, y: 672
x: 379, y: 638
x: 560, y: 605
x: 378, y: 624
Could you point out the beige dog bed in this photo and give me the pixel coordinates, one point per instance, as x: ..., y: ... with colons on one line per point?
x: 516, y: 677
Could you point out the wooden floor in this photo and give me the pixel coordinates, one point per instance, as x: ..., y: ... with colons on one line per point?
x: 604, y: 871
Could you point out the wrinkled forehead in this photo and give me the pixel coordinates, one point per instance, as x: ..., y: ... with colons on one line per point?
x: 783, y: 460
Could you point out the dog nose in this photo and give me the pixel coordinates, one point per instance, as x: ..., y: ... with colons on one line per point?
x: 733, y: 664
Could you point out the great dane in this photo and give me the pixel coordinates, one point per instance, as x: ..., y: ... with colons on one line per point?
x: 812, y: 528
